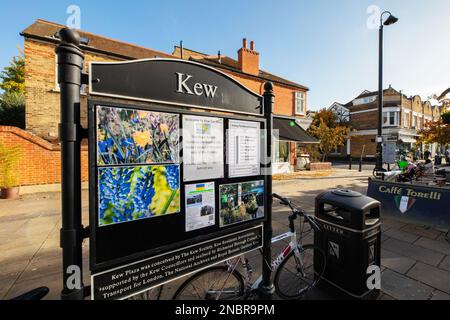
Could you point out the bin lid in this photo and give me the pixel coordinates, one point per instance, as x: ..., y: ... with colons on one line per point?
x: 348, y: 200
x: 347, y: 193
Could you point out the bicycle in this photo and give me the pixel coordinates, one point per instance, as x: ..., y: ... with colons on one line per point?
x: 294, y: 269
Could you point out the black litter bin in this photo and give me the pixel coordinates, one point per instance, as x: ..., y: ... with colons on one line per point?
x: 351, y: 237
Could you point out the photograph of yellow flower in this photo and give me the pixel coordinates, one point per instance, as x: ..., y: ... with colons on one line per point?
x: 127, y: 136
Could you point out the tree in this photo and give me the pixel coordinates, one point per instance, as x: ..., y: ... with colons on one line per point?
x: 446, y: 117
x: 435, y: 132
x: 12, y: 100
x: 13, y: 76
x: 330, y: 133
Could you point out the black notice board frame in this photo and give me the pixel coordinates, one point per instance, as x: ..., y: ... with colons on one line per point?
x: 128, y: 234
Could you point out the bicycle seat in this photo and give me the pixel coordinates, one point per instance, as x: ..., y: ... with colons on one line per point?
x: 33, y: 295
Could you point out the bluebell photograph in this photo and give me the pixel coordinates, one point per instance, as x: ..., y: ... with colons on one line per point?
x: 134, y: 193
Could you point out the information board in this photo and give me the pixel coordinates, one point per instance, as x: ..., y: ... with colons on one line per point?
x: 163, y: 201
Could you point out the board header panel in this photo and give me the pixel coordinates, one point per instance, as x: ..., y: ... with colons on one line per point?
x: 173, y: 81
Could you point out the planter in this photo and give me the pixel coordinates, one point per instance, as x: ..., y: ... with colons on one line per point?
x: 319, y: 166
x: 10, y: 193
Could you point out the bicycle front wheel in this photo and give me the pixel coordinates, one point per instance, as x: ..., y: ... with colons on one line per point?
x: 216, y: 283
x: 152, y: 294
x: 296, y: 275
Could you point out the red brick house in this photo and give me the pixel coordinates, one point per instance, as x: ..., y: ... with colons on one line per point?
x: 42, y: 94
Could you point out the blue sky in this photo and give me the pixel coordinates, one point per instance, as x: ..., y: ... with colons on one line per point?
x: 323, y: 44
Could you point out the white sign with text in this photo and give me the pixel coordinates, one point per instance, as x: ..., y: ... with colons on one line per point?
x: 203, y: 139
x: 244, y: 148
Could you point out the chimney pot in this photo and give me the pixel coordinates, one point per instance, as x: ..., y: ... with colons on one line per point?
x: 244, y: 43
x: 252, y: 45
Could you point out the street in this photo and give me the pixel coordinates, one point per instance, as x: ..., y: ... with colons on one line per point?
x: 415, y: 259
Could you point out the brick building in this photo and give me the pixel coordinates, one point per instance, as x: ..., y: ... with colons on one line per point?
x: 42, y: 92
x: 403, y: 117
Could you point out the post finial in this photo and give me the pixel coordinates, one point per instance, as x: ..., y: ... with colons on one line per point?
x: 70, y: 36
x: 268, y: 87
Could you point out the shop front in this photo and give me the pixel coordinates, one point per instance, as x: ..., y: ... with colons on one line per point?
x: 288, y: 133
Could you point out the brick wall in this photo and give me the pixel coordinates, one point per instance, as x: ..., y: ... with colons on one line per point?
x: 42, y: 96
x: 40, y: 161
x: 42, y: 100
x: 41, y: 90
x: 358, y: 142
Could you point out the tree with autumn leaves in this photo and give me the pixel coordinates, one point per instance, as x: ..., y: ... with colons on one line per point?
x: 436, y: 132
x: 330, y: 133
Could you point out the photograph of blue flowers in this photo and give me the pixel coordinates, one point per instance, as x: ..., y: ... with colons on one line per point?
x: 127, y: 136
x: 140, y: 192
x: 138, y: 164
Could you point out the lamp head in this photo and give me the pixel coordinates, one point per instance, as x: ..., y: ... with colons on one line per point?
x: 390, y: 20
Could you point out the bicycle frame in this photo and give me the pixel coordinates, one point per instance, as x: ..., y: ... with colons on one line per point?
x: 293, y: 246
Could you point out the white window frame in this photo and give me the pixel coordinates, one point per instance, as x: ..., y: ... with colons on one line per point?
x: 300, y: 97
x: 388, y: 114
x: 406, y: 120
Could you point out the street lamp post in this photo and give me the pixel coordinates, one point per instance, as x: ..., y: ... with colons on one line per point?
x: 390, y: 20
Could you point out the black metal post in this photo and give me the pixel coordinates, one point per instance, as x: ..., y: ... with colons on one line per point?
x: 350, y: 162
x: 267, y: 286
x: 379, y: 164
x: 70, y: 65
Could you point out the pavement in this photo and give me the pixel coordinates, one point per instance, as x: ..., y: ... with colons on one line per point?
x: 415, y: 259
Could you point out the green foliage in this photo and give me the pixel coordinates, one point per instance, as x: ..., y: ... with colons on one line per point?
x: 12, y: 101
x: 9, y: 159
x: 12, y: 109
x: 13, y: 76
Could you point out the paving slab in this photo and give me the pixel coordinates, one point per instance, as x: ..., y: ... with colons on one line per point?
x: 440, y: 296
x: 432, y: 276
x: 445, y: 264
x: 401, y: 287
x: 414, y: 252
x: 396, y: 262
x: 401, y: 235
x: 389, y: 223
x: 422, y: 231
x: 441, y: 246
x: 386, y: 297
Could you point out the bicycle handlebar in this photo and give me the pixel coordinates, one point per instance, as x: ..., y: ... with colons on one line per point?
x: 296, y: 212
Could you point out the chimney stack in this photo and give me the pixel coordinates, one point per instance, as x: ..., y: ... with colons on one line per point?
x: 248, y: 59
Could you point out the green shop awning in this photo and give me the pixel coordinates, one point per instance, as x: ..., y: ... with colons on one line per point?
x: 290, y: 130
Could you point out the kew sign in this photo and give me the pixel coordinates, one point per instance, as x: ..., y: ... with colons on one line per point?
x: 197, y: 89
